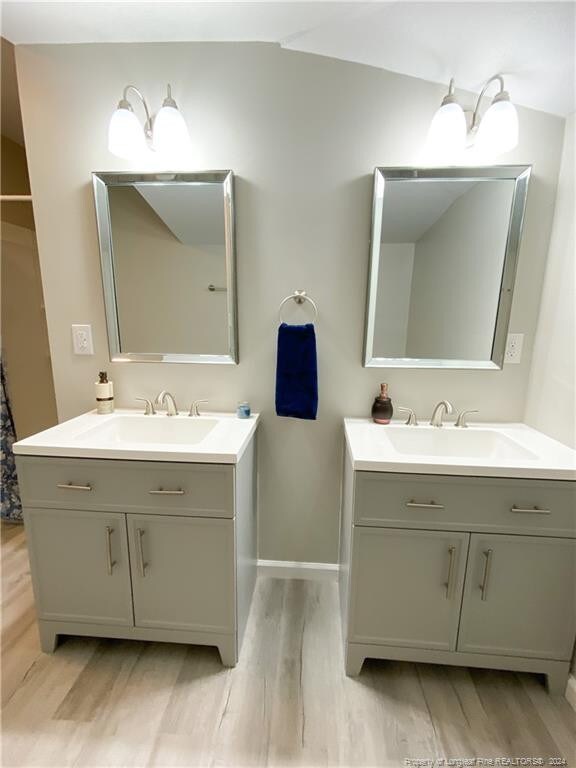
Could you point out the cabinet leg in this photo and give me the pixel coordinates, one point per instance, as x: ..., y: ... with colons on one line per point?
x: 557, y: 681
x: 354, y: 660
x: 227, y: 650
x: 48, y: 638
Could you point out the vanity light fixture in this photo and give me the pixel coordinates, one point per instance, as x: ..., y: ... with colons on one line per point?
x: 494, y: 133
x: 166, y: 133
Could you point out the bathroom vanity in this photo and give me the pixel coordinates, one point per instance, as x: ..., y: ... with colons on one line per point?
x: 142, y: 527
x: 459, y: 547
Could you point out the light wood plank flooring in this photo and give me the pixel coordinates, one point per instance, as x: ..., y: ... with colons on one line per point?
x: 287, y: 703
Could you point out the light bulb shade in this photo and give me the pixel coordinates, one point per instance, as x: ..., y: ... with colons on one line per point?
x: 447, y: 134
x: 125, y: 135
x: 170, y: 134
x: 498, y: 131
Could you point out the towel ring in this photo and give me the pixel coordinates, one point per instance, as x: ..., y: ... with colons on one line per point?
x: 299, y: 297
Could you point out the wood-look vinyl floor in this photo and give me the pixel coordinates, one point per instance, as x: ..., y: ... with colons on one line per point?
x: 287, y: 703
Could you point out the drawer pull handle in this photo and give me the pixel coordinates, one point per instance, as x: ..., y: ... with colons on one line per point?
x: 109, y: 562
x: 141, y: 564
x: 163, y: 492
x: 448, y: 584
x: 530, y: 510
x: 419, y: 505
x: 72, y: 487
x: 487, y: 567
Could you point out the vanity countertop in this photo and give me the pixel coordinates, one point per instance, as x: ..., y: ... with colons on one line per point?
x: 484, y: 450
x: 213, y: 438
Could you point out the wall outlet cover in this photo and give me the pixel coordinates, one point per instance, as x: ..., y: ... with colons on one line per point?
x: 514, y: 344
x: 82, y: 340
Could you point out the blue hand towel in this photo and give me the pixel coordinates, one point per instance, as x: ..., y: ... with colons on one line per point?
x: 296, y: 372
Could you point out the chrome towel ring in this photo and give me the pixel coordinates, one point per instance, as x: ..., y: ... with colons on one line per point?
x: 299, y: 297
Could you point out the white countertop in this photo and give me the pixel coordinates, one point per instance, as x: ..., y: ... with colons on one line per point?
x: 374, y: 447
x: 94, y: 436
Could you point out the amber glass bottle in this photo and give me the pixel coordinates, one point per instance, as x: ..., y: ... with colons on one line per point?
x: 382, y: 410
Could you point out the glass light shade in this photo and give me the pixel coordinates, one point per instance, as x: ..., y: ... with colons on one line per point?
x: 447, y: 134
x: 170, y: 134
x: 126, y: 135
x: 498, y: 131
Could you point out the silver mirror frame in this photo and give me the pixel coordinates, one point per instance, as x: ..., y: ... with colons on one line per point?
x: 520, y: 174
x: 101, y: 181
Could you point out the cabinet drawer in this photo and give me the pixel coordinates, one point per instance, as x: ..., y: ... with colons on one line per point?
x: 205, y: 490
x: 538, y: 507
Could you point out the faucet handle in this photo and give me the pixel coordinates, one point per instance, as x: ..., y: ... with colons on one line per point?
x: 461, y: 420
x: 411, y: 421
x: 194, y: 411
x: 148, y: 406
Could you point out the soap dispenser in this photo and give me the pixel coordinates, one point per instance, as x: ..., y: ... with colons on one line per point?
x: 382, y: 409
x: 104, y: 394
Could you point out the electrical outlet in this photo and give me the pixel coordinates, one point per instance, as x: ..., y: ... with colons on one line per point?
x: 82, y: 340
x: 513, y: 352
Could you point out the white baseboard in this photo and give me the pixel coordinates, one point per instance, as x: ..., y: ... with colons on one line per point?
x: 284, y: 569
x: 571, y: 690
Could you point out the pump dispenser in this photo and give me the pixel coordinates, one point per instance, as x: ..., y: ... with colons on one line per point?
x: 104, y: 394
x: 382, y: 410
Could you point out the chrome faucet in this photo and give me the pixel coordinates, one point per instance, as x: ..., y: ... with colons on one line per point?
x: 165, y: 399
x: 148, y: 406
x: 438, y: 413
x: 411, y: 421
x: 461, y: 420
x: 194, y: 410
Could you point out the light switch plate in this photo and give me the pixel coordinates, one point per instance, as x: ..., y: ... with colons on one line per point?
x: 82, y: 340
x: 513, y: 352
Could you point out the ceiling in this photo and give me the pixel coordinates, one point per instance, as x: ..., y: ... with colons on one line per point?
x: 413, y: 207
x: 531, y: 43
x: 194, y: 214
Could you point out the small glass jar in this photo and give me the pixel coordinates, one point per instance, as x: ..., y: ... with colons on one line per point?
x: 243, y: 410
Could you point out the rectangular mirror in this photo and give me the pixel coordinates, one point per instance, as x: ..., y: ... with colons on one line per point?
x: 168, y: 265
x: 443, y: 256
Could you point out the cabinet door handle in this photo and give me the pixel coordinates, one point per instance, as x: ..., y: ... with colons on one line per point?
x: 163, y: 492
x: 530, y: 510
x: 419, y: 505
x: 141, y: 564
x: 487, y: 567
x: 448, y: 584
x: 72, y: 487
x: 109, y: 562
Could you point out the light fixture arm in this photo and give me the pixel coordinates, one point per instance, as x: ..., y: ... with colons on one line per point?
x: 125, y: 104
x: 476, y: 113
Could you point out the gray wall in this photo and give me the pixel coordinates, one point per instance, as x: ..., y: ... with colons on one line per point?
x: 303, y: 134
x: 551, y: 401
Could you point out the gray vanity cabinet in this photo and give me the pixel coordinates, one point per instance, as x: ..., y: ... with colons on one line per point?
x: 408, y: 587
x: 478, y: 572
x: 145, y: 550
x: 519, y: 597
x: 91, y: 546
x: 182, y: 572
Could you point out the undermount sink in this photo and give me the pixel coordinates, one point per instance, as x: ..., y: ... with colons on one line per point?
x: 484, y: 450
x: 127, y: 434
x: 475, y: 443
x: 150, y: 430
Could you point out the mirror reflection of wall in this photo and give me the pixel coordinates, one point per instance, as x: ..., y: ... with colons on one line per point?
x: 168, y: 262
x: 169, y: 246
x: 441, y: 263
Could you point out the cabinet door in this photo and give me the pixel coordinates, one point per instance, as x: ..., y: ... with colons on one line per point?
x: 407, y: 587
x: 80, y: 567
x: 520, y: 597
x: 182, y: 572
